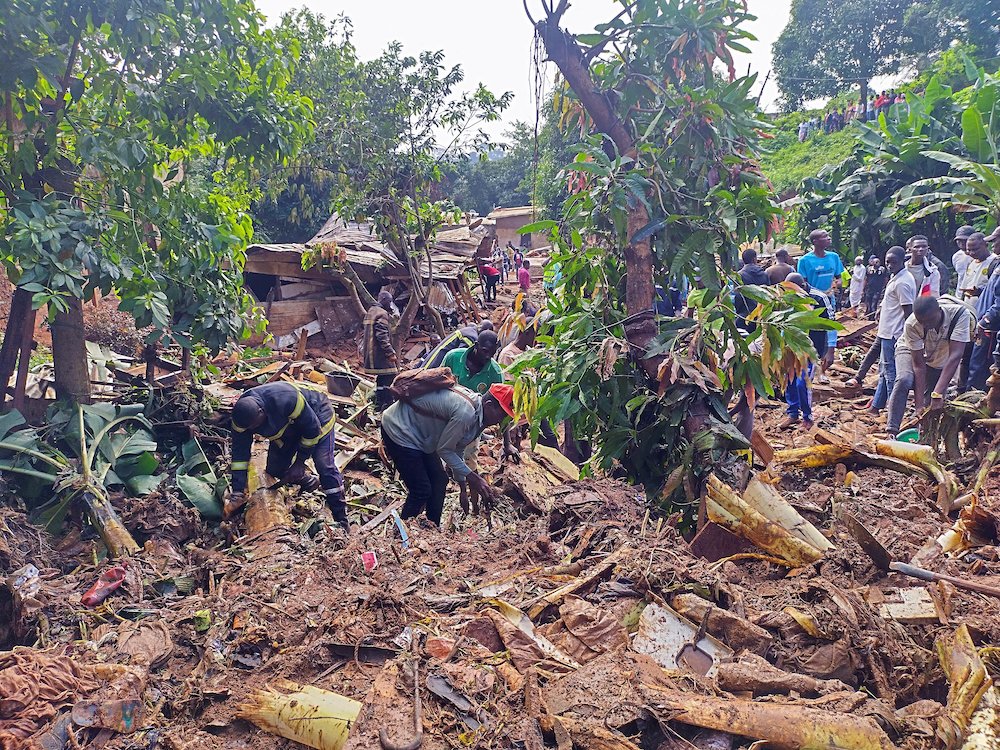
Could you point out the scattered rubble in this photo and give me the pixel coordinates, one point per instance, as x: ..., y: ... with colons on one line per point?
x: 573, y: 617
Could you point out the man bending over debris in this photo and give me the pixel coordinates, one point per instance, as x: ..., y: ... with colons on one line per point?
x: 435, y: 427
x: 928, y: 354
x: 299, y: 423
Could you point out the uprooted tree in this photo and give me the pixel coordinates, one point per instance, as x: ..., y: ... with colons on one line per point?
x: 133, y: 135
x: 386, y: 131
x: 666, y: 189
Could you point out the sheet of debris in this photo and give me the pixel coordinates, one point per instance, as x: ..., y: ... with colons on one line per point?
x: 570, y: 617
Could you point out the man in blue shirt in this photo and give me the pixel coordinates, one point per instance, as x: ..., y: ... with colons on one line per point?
x: 821, y: 267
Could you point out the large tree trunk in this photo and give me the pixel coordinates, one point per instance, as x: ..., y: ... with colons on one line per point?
x: 17, y: 319
x: 864, y: 99
x: 69, y: 354
x: 563, y: 50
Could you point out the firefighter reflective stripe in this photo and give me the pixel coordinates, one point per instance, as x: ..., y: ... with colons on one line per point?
x: 310, y: 442
x: 300, y: 405
x: 239, y: 465
x: 237, y: 428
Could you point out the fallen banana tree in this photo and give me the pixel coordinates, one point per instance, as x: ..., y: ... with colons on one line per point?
x: 308, y: 715
x: 778, y: 724
x: 82, y: 456
x: 894, y: 455
x: 773, y: 525
x: 923, y: 457
x: 969, y: 685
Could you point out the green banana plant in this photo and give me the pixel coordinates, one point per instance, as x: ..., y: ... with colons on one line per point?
x: 81, y: 456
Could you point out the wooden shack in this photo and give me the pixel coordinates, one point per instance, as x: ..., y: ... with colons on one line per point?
x: 314, y: 301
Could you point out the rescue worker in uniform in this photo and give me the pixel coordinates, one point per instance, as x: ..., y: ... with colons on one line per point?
x: 379, y: 358
x: 299, y: 424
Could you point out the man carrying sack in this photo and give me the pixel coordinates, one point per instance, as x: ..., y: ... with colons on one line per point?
x: 431, y: 425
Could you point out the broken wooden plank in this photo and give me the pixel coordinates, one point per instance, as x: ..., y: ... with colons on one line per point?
x: 916, y: 608
x: 289, y: 340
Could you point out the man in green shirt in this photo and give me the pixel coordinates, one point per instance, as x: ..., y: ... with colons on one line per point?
x: 475, y: 368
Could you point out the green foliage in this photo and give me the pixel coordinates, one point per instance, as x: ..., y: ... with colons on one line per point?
x: 694, y: 170
x: 134, y: 138
x: 832, y: 46
x: 91, y: 449
x: 387, y: 130
x: 786, y: 162
x: 198, y: 482
x: 488, y: 181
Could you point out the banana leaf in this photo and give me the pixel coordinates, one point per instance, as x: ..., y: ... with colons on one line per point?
x: 198, y: 482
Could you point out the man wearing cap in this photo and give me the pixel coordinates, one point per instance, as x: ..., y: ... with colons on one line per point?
x: 299, y: 423
x: 960, y: 260
x: 378, y: 356
x: 438, y: 427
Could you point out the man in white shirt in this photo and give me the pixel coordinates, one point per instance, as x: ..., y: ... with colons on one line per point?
x: 897, y: 304
x: 960, y: 260
x: 929, y: 354
x: 924, y: 273
x: 857, y: 289
x: 981, y: 267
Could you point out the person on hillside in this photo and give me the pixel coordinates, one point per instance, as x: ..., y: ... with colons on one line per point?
x: 876, y: 279
x: 378, y: 357
x: 474, y: 368
x: 988, y: 316
x: 960, y: 260
x: 751, y: 273
x: 782, y: 266
x: 856, y: 290
x: 298, y: 422
x: 798, y: 394
x: 439, y: 427
x: 929, y: 354
x: 524, y: 276
x: 925, y: 274
x: 491, y: 278
x: 900, y: 293
x: 803, y: 131
x: 460, y: 338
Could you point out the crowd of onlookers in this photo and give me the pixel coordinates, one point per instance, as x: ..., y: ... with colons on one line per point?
x: 836, y: 119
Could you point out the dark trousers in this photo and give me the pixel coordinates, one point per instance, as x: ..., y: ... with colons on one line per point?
x: 383, y: 396
x: 324, y: 455
x: 979, y: 365
x: 491, y: 287
x: 424, y: 477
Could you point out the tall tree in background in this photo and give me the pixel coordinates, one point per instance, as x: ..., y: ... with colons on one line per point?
x: 387, y: 131
x: 132, y: 134
x: 830, y: 46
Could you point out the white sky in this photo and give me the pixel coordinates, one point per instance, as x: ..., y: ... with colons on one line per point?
x: 492, y: 40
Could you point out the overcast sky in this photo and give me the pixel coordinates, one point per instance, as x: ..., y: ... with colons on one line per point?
x: 492, y: 40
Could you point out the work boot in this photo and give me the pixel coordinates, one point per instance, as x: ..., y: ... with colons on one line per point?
x: 309, y: 482
x: 338, y: 509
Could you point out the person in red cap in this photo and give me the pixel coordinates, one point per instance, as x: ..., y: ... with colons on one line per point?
x: 434, y: 430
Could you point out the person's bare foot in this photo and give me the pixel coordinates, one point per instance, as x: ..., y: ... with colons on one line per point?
x: 852, y: 383
x: 788, y: 422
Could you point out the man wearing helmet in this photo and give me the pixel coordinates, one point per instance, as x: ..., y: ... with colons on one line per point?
x: 298, y: 421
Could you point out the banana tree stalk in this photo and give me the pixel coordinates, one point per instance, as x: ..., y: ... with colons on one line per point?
x: 38, y: 455
x: 6, y: 466
x: 105, y: 518
x: 109, y: 524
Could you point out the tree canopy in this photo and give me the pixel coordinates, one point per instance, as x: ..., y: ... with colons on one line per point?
x: 831, y: 46
x: 133, y: 134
